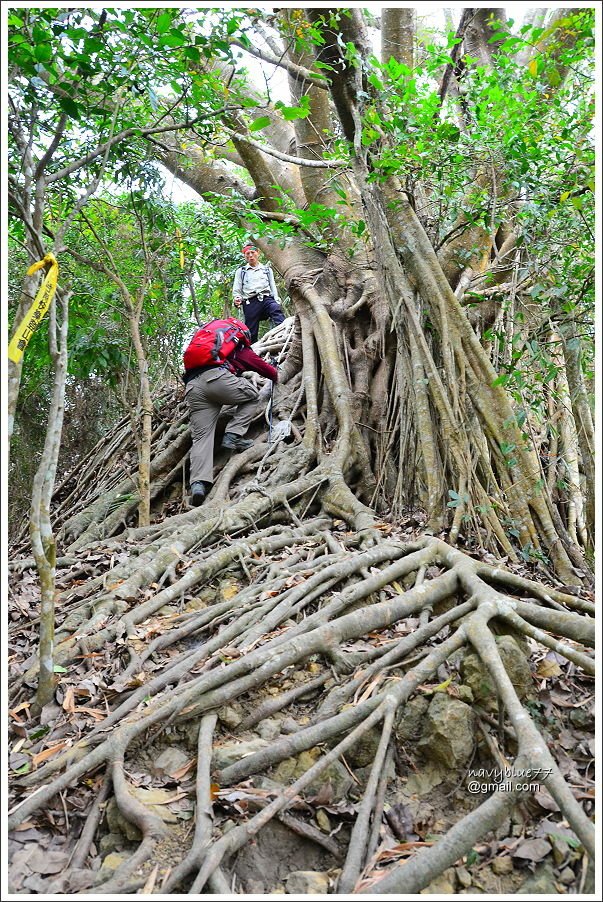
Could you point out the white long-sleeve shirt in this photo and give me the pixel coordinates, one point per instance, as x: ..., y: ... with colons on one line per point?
x: 250, y: 280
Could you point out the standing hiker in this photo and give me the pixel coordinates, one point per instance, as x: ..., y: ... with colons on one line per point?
x: 255, y: 291
x: 214, y: 362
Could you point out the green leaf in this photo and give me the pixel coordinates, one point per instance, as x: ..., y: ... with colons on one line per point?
x: 173, y: 39
x: 43, y: 52
x: 163, y: 22
x: 259, y: 123
x: 92, y: 45
x: 70, y: 107
x: 448, y: 132
x: 533, y: 67
x: 290, y: 113
x: 375, y: 81
x: 501, y: 380
x: 58, y: 669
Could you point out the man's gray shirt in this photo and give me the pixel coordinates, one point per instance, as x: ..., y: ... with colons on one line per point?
x: 250, y: 280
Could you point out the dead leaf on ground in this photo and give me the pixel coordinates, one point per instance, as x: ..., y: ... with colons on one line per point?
x: 45, y: 754
x: 548, y: 668
x: 532, y: 850
x: 545, y: 800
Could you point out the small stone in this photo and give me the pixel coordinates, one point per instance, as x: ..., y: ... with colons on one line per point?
x: 323, y: 821
x: 307, y: 883
x: 560, y: 849
x: 229, y: 588
x: 411, y: 720
x: 231, y: 752
x: 581, y: 718
x: 119, y: 824
x: 110, y: 842
x: 170, y: 761
x: 477, y: 677
x: 363, y: 752
x: 504, y: 829
x: 230, y: 717
x: 444, y: 885
x: 567, y: 876
x: 502, y: 866
x: 465, y: 694
x: 113, y: 861
x: 195, y: 604
x: 463, y: 876
x: 269, y: 729
x: 541, y: 882
x: 335, y: 778
x: 448, y: 736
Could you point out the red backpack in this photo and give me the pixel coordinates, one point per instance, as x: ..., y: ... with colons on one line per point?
x: 215, y: 341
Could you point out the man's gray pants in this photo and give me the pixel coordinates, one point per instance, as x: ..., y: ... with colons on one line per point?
x: 205, y: 395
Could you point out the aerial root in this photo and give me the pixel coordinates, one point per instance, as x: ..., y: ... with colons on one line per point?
x: 255, y: 639
x: 150, y: 825
x: 203, y: 819
x: 357, y: 848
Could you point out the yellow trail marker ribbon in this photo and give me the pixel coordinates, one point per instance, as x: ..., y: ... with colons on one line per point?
x: 40, y: 305
x: 181, y: 247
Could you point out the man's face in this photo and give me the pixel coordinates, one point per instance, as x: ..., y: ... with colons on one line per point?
x: 252, y: 255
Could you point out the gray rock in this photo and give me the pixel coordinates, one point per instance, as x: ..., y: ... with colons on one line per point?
x: 170, y: 761
x: 541, y: 882
x: 410, y: 723
x: 582, y: 718
x: 477, y: 678
x: 112, y: 862
x: 444, y: 885
x: 231, y: 716
x: 421, y: 782
x: 110, y: 842
x: 465, y: 694
x: 567, y: 876
x: 448, y: 737
x: 502, y: 866
x: 269, y: 729
x: 119, y: 824
x: 463, y: 876
x: 231, y: 752
x: 363, y: 752
x: 335, y: 781
x: 307, y: 883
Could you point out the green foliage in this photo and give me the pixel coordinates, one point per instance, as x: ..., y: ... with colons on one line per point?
x: 106, y: 71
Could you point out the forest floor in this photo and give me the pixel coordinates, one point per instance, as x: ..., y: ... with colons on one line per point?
x: 448, y: 745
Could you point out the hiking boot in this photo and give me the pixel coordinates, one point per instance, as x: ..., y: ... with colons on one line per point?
x: 235, y: 442
x: 198, y: 493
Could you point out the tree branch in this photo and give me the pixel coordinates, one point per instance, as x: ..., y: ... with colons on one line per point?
x: 285, y: 157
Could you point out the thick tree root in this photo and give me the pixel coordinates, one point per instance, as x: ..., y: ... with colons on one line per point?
x: 328, y: 590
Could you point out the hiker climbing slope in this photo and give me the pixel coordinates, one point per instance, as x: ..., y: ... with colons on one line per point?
x: 217, y: 356
x: 255, y: 291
